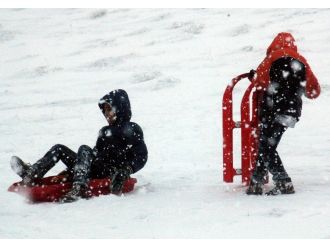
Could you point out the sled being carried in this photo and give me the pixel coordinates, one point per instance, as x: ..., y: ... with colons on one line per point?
x: 52, y: 189
x: 249, y: 131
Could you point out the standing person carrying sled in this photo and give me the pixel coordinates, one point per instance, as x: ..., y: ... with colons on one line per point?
x: 283, y: 77
x: 120, y: 151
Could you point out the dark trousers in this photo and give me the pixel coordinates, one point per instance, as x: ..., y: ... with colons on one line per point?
x: 78, y: 164
x: 268, y: 158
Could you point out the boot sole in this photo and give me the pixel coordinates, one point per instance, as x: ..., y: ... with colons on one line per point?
x: 280, y: 193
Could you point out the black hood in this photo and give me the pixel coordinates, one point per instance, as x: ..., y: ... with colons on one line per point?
x: 119, y: 100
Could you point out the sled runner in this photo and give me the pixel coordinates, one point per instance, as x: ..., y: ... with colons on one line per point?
x: 249, y: 132
x: 51, y: 189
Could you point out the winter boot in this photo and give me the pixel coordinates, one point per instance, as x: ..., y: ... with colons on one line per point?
x: 38, y: 170
x: 255, y: 188
x: 281, y: 187
x: 19, y: 166
x: 78, y: 191
x: 24, y: 170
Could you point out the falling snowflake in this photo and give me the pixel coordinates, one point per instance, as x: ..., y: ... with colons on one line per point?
x: 296, y: 66
x: 108, y: 133
x: 285, y: 74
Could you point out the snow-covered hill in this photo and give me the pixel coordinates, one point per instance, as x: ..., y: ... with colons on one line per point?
x: 175, y: 64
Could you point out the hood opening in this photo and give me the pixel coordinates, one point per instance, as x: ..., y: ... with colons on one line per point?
x: 118, y: 99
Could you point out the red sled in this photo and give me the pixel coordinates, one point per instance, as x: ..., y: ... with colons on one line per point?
x: 52, y: 189
x: 249, y: 131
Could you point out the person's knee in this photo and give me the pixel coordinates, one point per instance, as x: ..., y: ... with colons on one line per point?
x: 85, y: 148
x: 85, y: 151
x: 57, y: 147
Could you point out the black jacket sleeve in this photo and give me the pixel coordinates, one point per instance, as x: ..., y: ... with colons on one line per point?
x: 100, y: 142
x: 136, y: 148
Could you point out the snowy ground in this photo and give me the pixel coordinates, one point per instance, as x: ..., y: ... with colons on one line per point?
x: 174, y: 64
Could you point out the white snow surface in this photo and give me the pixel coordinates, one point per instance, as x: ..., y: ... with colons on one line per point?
x: 175, y: 64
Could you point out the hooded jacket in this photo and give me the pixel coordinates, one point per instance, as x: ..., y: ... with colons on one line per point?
x: 284, y: 46
x: 120, y: 144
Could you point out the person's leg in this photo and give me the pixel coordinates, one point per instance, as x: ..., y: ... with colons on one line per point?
x: 270, y: 156
x: 82, y: 168
x: 260, y: 172
x: 276, y: 167
x: 81, y: 175
x: 282, y: 181
x: 42, y: 166
x: 65, y: 154
x: 55, y: 154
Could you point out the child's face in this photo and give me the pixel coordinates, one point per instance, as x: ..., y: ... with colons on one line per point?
x: 109, y: 114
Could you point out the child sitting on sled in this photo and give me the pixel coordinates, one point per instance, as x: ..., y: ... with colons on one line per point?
x: 119, y: 152
x: 283, y: 77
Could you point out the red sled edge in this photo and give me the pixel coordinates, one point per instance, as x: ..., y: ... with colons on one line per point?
x: 52, y: 189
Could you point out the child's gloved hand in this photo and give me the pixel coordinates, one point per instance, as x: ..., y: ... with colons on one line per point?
x: 119, y: 178
x: 251, y: 74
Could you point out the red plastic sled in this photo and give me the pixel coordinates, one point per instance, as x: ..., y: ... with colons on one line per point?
x: 51, y: 189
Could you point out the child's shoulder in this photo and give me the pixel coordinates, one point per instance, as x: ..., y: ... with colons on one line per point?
x: 131, y: 129
x: 105, y: 131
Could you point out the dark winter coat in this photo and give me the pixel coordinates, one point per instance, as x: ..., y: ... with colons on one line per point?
x: 121, y: 144
x: 282, y: 78
x: 282, y: 98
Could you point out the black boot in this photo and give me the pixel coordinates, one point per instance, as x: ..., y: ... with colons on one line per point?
x: 78, y: 191
x: 19, y: 166
x: 281, y: 187
x: 38, y: 170
x: 255, y: 188
x: 24, y: 170
x: 81, y: 176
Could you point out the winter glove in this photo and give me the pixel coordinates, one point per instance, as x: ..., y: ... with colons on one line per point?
x: 119, y: 178
x: 251, y: 74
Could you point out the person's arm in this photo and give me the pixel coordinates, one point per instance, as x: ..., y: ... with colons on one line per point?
x: 99, y: 146
x: 136, y: 150
x: 137, y: 147
x: 312, y: 89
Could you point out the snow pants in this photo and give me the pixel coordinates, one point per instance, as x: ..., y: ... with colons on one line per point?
x: 268, y: 158
x: 78, y: 164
